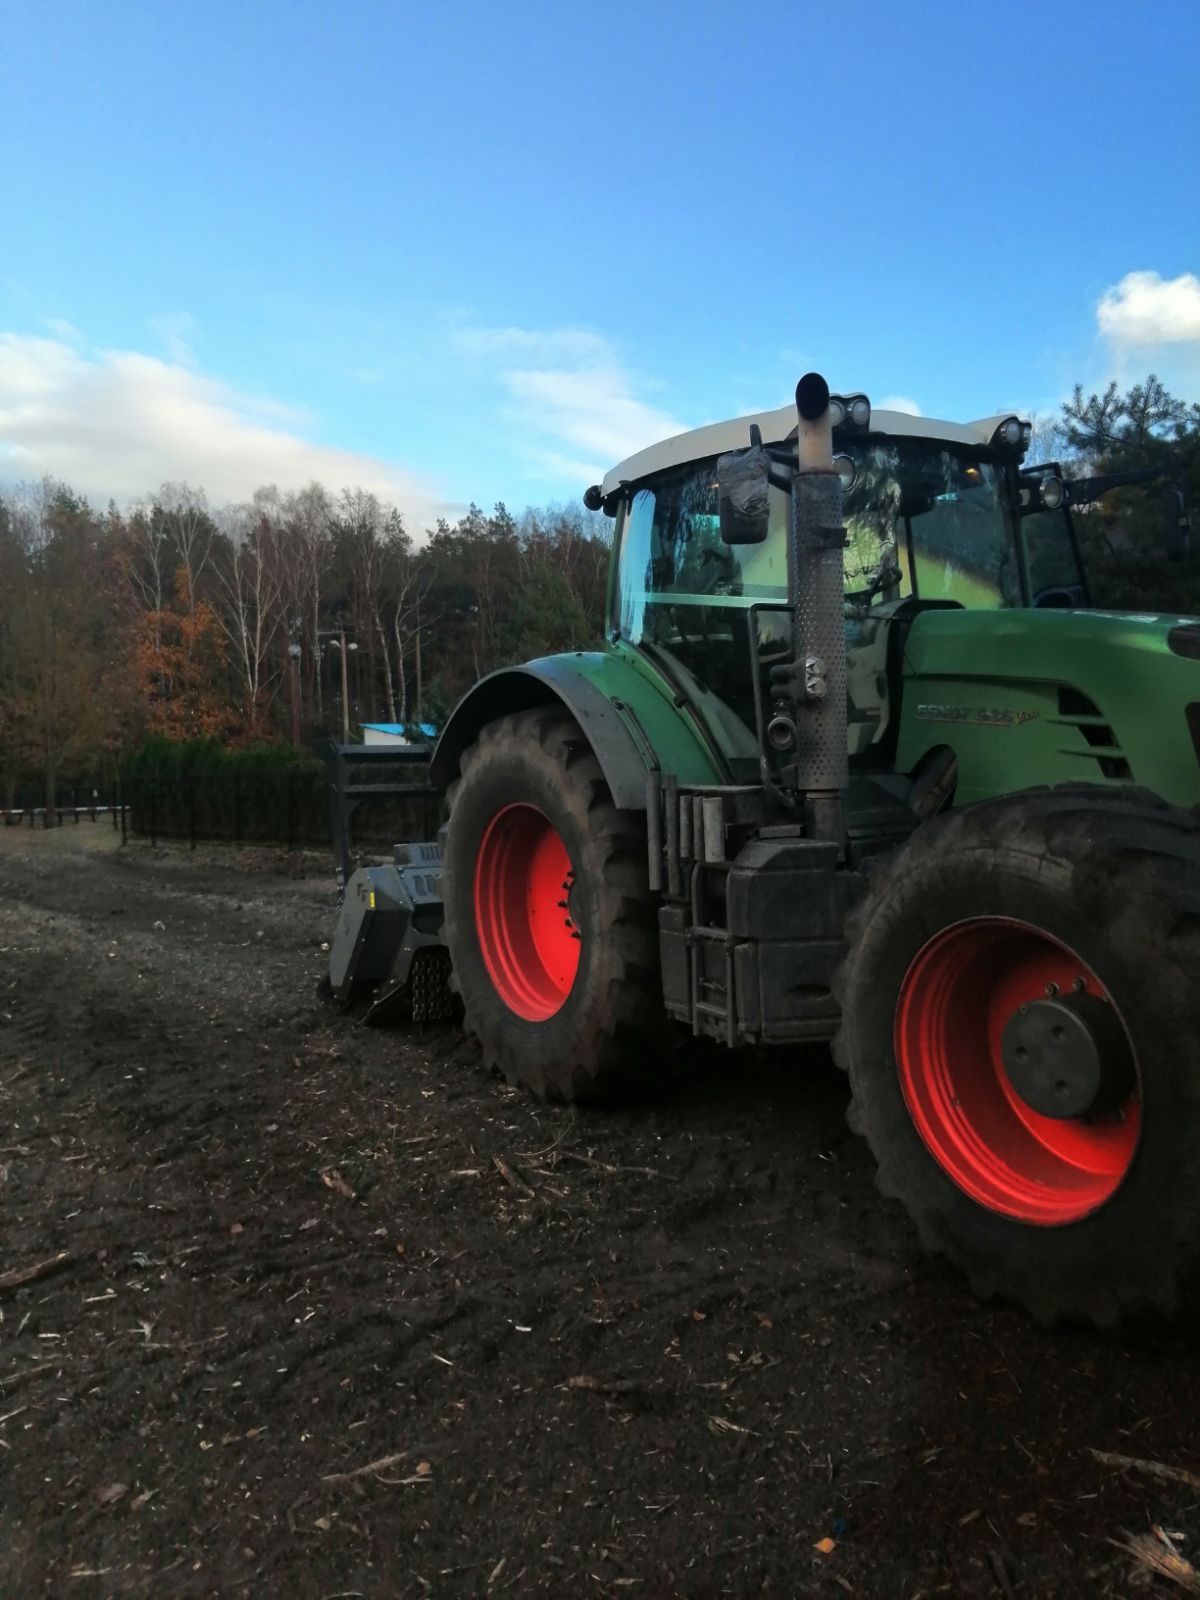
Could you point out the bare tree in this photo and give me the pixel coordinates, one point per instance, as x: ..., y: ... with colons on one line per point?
x: 408, y: 584
x: 249, y: 584
x: 186, y: 520
x: 307, y: 518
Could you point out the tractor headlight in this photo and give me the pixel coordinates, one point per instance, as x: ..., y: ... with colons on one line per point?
x: 1011, y: 435
x: 850, y: 411
x: 846, y: 471
x: 1053, y: 493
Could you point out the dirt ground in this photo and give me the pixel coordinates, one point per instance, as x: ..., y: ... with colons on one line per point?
x: 342, y: 1316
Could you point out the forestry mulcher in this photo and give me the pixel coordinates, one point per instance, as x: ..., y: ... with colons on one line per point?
x: 859, y: 763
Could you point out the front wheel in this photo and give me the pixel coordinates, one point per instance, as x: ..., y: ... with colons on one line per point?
x: 549, y: 918
x: 1021, y: 1028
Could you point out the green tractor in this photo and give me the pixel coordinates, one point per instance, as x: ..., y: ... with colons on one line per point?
x: 857, y: 763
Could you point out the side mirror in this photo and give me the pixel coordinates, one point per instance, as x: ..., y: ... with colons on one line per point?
x: 1176, y: 523
x: 743, y: 477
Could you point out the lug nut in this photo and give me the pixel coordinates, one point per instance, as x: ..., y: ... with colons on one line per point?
x: 1051, y: 990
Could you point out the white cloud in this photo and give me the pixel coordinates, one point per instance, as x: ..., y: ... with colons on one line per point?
x: 1146, y: 309
x: 573, y: 404
x: 898, y: 402
x: 117, y: 424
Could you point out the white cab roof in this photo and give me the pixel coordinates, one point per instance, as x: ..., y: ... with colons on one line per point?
x: 777, y: 426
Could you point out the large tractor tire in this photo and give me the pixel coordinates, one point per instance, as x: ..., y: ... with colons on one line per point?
x: 1021, y: 1029
x: 551, y: 928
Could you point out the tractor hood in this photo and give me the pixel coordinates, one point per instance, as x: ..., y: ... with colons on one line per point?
x: 1047, y: 637
x: 1031, y: 697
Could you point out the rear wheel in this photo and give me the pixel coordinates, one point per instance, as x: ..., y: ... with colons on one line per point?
x: 1021, y: 1027
x: 549, y: 919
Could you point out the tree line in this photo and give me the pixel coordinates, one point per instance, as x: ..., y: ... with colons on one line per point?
x: 187, y: 621
x: 240, y: 623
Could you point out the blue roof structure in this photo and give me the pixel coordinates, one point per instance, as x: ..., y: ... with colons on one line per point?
x: 425, y: 729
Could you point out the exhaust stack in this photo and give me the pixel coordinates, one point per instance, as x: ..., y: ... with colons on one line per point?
x: 816, y: 679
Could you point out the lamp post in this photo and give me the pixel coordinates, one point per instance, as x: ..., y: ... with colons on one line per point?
x: 342, y: 647
x: 294, y: 654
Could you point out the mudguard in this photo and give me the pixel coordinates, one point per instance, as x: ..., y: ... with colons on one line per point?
x: 541, y: 683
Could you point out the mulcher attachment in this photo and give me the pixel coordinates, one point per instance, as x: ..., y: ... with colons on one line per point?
x: 388, y: 943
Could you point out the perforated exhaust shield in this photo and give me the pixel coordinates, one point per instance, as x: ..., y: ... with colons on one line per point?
x: 818, y: 538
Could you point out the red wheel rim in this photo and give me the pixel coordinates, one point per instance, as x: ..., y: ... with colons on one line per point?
x: 523, y: 914
x: 956, y: 999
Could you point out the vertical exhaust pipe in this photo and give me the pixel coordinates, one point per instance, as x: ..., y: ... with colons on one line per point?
x: 817, y: 678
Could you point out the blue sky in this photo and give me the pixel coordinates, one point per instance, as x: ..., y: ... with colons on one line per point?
x: 460, y: 251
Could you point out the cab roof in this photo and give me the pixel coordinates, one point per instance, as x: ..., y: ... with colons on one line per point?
x: 777, y: 426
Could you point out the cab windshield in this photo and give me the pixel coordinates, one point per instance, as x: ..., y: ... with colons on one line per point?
x: 922, y: 519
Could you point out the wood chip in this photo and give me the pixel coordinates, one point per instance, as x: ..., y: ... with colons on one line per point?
x: 724, y: 1425
x: 1155, y: 1552
x: 332, y: 1179
x: 584, y: 1380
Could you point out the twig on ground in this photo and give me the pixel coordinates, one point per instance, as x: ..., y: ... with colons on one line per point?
x: 511, y: 1178
x: 610, y: 1167
x: 1000, y: 1572
x: 365, y: 1471
x: 16, y: 1378
x: 535, y: 1155
x: 584, y: 1380
x: 40, y: 1269
x: 1152, y: 1469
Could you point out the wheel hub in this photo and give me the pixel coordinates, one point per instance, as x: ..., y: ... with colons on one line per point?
x: 1067, y: 1057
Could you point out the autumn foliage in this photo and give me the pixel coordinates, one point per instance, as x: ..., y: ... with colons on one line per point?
x: 177, y: 620
x: 179, y: 658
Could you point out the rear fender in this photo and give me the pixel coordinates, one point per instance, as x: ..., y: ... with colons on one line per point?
x: 539, y: 683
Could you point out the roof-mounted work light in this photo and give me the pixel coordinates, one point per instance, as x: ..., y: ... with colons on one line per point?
x: 850, y: 412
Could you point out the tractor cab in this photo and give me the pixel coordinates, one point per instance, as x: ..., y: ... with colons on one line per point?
x: 937, y: 515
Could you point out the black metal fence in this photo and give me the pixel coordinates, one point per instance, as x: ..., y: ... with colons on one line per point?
x: 280, y: 805
x: 357, y: 797
x: 289, y: 806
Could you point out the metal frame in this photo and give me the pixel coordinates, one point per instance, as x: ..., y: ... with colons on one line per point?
x: 345, y: 796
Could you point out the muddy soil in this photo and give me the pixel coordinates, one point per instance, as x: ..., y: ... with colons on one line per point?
x: 342, y: 1316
